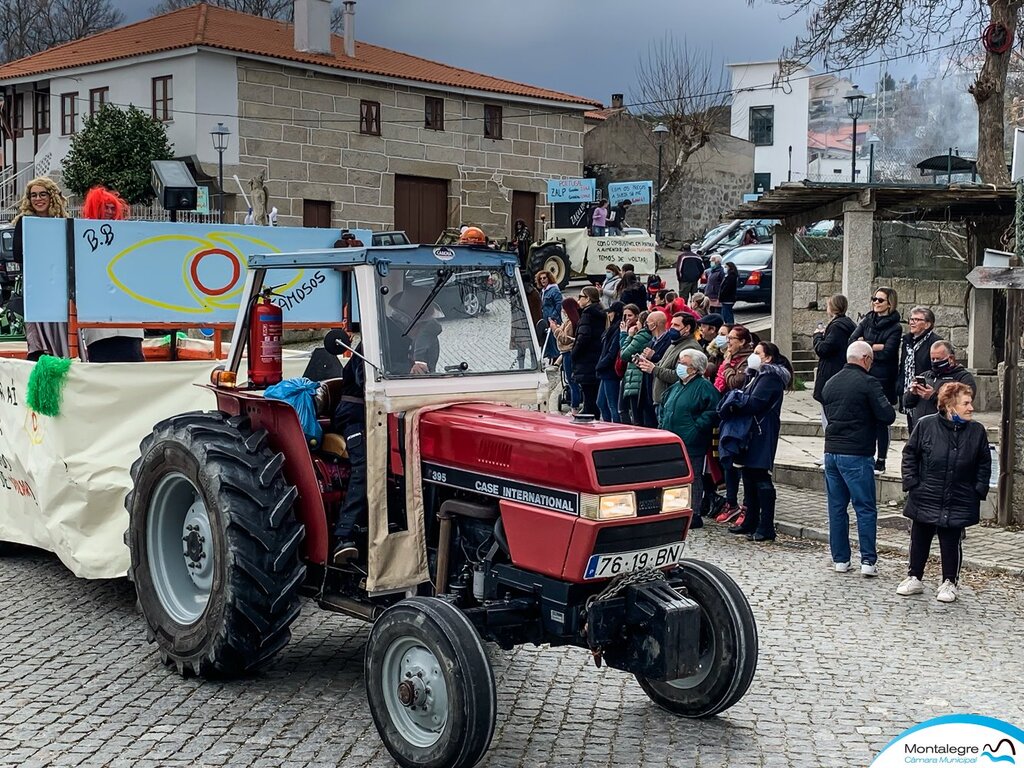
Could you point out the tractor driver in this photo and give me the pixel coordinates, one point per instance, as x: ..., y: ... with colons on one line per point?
x: 416, y: 352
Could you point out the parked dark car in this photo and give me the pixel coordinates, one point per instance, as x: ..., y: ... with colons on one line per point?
x: 466, y: 294
x: 754, y: 269
x: 10, y: 268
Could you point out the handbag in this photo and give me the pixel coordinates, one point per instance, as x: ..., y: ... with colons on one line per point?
x: 620, y: 366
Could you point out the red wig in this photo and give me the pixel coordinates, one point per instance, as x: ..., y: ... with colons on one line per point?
x: 96, y: 201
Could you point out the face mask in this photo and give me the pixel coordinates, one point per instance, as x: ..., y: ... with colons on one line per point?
x: 608, y: 275
x: 673, y: 335
x: 942, y: 366
x: 754, y: 362
x: 721, y: 341
x: 682, y: 371
x: 958, y: 419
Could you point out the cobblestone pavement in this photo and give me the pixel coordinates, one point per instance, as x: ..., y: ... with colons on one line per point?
x: 845, y: 665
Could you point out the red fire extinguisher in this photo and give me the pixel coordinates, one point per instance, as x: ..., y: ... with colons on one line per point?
x: 265, y: 341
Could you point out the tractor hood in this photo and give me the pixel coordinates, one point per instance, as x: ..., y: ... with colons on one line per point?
x: 551, y: 450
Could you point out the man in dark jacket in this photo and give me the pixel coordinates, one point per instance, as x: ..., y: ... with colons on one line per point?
x: 663, y: 372
x: 689, y: 267
x: 855, y: 407
x: 915, y: 352
x: 921, y: 399
x: 617, y: 217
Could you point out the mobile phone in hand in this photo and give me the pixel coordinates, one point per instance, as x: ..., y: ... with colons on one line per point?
x: 920, y: 381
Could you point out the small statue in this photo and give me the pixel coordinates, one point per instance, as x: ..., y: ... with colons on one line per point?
x: 260, y: 198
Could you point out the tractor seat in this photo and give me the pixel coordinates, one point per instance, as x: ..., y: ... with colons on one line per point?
x: 457, y: 508
x: 328, y: 395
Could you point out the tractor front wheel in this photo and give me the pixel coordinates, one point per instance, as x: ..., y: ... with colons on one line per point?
x: 430, y: 685
x: 728, y: 647
x: 214, y: 544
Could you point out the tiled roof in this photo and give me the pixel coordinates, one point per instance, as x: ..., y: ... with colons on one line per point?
x: 214, y: 27
x: 602, y: 114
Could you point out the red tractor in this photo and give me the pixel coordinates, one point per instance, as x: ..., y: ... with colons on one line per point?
x: 488, y: 521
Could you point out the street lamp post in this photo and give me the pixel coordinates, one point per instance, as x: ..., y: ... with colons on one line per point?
x: 220, y: 136
x: 872, y: 140
x: 659, y: 136
x: 854, y: 108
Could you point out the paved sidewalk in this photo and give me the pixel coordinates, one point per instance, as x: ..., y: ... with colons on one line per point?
x: 802, y: 510
x: 804, y: 514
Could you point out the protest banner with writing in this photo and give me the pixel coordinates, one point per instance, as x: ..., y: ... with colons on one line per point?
x: 572, y: 190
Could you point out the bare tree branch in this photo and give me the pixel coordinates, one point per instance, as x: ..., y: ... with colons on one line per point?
x: 685, y: 89
x: 33, y: 26
x: 842, y: 33
x: 268, y: 9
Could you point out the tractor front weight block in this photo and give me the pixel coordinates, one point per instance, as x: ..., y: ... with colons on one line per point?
x: 649, y: 630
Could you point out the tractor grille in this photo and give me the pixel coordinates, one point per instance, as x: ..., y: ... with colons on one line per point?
x: 640, y: 464
x: 627, y: 538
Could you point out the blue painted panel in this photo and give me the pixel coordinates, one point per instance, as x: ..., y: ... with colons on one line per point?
x: 135, y: 271
x: 572, y: 190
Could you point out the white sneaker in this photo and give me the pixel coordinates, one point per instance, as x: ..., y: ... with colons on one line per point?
x: 841, y: 567
x: 910, y: 586
x: 947, y: 592
x: 868, y: 570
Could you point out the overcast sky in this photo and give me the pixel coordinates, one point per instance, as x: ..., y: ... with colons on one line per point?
x: 584, y: 47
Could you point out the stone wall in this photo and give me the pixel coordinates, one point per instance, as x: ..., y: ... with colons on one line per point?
x: 712, y: 181
x: 302, y: 128
x: 818, y: 273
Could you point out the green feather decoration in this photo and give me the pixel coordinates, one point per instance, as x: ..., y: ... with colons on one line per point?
x: 46, y: 384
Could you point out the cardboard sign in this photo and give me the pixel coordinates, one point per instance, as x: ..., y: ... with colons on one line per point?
x: 160, y: 272
x: 638, y: 251
x: 634, y: 191
x: 572, y: 190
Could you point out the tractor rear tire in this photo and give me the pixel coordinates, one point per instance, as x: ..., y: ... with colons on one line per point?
x: 551, y: 258
x: 430, y: 686
x: 728, y: 647
x: 214, y: 544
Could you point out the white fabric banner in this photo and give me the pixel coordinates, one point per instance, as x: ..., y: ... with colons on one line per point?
x: 63, y: 480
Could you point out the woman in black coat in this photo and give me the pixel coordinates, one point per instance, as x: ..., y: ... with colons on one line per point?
x: 946, y: 469
x: 587, y: 348
x: 830, y: 343
x: 608, y: 378
x: 761, y: 403
x: 882, y: 330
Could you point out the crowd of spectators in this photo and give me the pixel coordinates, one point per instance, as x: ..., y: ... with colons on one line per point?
x: 865, y: 372
x: 644, y: 354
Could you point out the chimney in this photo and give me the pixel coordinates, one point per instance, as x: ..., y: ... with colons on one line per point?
x: 616, y: 101
x: 348, y: 17
x: 313, y: 26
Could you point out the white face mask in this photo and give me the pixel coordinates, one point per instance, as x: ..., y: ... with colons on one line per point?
x: 754, y: 362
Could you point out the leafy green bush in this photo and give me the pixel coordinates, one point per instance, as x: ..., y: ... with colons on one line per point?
x: 114, y: 148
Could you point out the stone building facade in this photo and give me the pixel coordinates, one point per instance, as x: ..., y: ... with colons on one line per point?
x: 713, y: 180
x: 302, y: 128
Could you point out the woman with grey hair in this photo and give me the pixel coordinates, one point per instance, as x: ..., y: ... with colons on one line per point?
x: 915, y: 353
x: 688, y: 409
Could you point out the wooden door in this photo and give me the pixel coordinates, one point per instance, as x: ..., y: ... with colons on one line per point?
x: 421, y: 207
x: 316, y: 213
x: 524, y: 206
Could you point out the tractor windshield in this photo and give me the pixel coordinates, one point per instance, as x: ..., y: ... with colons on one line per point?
x: 453, y: 321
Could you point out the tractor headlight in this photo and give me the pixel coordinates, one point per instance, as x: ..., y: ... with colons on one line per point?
x: 608, y: 506
x: 675, y: 499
